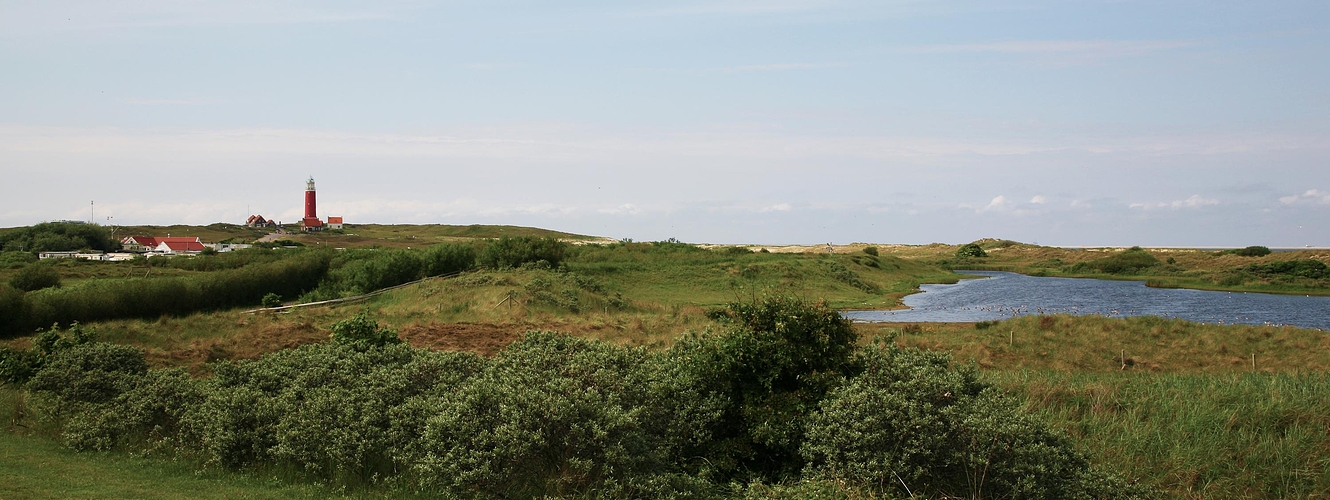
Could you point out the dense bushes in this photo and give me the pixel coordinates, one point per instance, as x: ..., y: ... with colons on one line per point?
x: 58, y: 237
x: 1130, y: 261
x: 1305, y: 268
x: 1252, y: 251
x: 35, y: 277
x: 151, y: 298
x: 355, y: 272
x: 782, y: 397
x: 513, y: 252
x: 910, y: 420
x: 224, y: 280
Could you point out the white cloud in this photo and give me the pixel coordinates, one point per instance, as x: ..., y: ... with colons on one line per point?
x: 998, y: 203
x: 779, y: 207
x: 1309, y: 197
x: 1194, y: 201
x: 1038, y: 200
x: 545, y: 143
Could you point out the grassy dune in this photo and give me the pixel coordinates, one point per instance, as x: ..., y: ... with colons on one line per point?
x: 639, y: 294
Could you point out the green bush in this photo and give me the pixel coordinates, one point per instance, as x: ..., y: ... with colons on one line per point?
x: 550, y: 414
x: 35, y: 277
x: 18, y: 366
x: 871, y: 250
x: 1131, y: 261
x: 1252, y: 251
x: 151, y: 298
x: 912, y: 425
x: 94, y: 372
x: 783, y: 401
x: 781, y: 356
x: 13, y: 309
x: 58, y: 237
x: 1304, y: 268
x: 362, y: 332
x: 326, y: 411
x: 271, y: 300
x: 970, y: 250
x: 512, y: 252
x: 446, y: 259
x: 16, y: 259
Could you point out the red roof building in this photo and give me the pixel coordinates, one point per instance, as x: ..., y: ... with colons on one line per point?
x: 179, y: 245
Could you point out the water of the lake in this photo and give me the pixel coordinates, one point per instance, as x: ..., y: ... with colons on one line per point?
x: 1004, y: 295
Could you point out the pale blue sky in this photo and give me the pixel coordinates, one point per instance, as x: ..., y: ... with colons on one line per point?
x: 801, y: 121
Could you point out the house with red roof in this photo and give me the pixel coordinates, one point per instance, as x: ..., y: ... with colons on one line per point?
x: 169, y: 245
x: 138, y: 244
x: 178, y: 245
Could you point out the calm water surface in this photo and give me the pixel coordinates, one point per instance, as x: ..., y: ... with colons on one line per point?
x: 1004, y: 295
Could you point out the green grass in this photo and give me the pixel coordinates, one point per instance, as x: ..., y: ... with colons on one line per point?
x: 639, y: 294
x: 1092, y: 344
x: 1195, y: 436
x: 1167, y: 402
x: 36, y: 467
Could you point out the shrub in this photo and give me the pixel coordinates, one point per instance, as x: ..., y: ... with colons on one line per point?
x: 13, y: 309
x: 1251, y: 251
x: 1304, y: 268
x: 58, y: 237
x: 362, y: 332
x: 327, y: 411
x: 151, y: 298
x: 16, y: 259
x: 552, y: 414
x: 35, y: 277
x: 511, y: 252
x: 845, y: 275
x: 94, y: 372
x: 912, y: 425
x: 271, y: 300
x: 1130, y: 261
x: 448, y: 259
x: 871, y: 250
x: 779, y: 359
x: 970, y: 250
x: 18, y: 366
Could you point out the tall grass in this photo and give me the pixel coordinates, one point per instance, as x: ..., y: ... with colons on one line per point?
x: 1196, y: 436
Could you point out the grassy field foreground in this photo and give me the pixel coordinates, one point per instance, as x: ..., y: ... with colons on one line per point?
x: 1166, y: 402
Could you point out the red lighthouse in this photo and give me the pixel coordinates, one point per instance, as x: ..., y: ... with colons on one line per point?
x: 311, y: 221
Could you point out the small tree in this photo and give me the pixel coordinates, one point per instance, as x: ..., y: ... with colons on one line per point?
x: 971, y: 250
x: 871, y: 251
